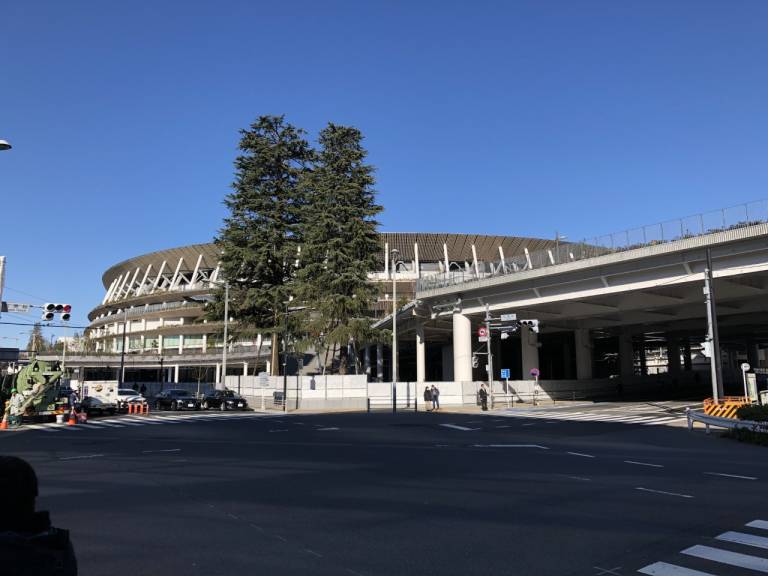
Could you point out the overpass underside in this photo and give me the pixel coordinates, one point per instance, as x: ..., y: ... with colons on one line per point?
x: 638, y: 315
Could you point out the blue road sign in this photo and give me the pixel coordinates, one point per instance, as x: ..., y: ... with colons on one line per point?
x: 505, y: 373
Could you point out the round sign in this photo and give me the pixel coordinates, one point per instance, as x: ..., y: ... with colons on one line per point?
x: 745, y: 366
x: 482, y: 331
x: 535, y: 372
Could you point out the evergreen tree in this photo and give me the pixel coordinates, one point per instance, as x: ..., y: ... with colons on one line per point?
x: 340, y: 243
x: 37, y: 342
x: 261, y: 235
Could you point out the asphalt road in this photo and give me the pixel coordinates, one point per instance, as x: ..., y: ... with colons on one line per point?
x: 383, y: 494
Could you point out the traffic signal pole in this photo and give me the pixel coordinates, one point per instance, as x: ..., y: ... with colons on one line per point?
x: 490, y: 353
x: 715, y: 362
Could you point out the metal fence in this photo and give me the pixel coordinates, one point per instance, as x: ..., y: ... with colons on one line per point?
x: 734, y: 217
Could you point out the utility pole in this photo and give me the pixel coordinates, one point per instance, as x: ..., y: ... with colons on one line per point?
x: 713, y: 338
x: 490, y: 353
x: 121, y: 373
x: 223, y: 384
x: 285, y: 360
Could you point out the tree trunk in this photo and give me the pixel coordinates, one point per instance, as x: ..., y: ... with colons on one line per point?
x: 275, y: 368
x: 343, y: 358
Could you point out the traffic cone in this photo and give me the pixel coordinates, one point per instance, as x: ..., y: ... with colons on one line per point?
x: 72, y: 420
x: 4, y: 423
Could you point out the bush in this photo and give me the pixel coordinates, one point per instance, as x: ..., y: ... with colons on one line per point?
x: 753, y: 413
x: 749, y: 436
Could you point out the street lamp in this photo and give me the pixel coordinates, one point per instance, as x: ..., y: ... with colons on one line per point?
x: 5, y: 145
x: 395, y: 253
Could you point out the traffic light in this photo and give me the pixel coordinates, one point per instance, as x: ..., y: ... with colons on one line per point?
x: 50, y: 310
x: 532, y: 324
x: 474, y: 361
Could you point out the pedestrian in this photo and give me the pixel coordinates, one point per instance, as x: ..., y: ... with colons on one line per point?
x: 435, y: 398
x: 15, y: 409
x: 483, y: 393
x: 29, y: 544
x: 135, y: 387
x: 143, y: 389
x: 427, y: 398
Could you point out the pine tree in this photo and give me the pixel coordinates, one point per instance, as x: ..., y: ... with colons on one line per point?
x: 340, y: 242
x: 37, y: 342
x: 261, y: 235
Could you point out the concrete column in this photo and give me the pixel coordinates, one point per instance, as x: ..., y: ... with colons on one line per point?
x: 218, y: 372
x: 529, y: 343
x: 626, y: 357
x: 447, y: 358
x: 673, y: 355
x: 462, y: 348
x: 367, y: 361
x: 380, y: 362
x: 583, y: 347
x: 687, y: 361
x: 245, y: 368
x: 181, y: 343
x: 176, y: 373
x: 421, y: 356
x: 205, y: 343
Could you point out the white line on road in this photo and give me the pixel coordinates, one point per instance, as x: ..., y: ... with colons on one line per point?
x: 762, y: 524
x: 663, y: 492
x: 81, y: 457
x: 281, y: 430
x: 746, y: 539
x: 582, y: 478
x: 643, y: 464
x: 154, y: 451
x: 504, y: 426
x: 308, y: 551
x: 510, y: 446
x: 727, y: 557
x: 731, y: 475
x: 326, y: 429
x: 457, y: 427
x: 580, y: 454
x: 530, y: 424
x: 664, y: 569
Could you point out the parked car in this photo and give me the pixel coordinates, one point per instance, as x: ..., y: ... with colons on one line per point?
x: 224, y: 400
x: 127, y: 396
x: 175, y: 399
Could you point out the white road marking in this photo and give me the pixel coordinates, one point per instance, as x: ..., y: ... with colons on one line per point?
x: 746, y: 539
x: 580, y: 454
x: 283, y: 538
x: 326, y: 429
x: 664, y: 569
x: 530, y: 424
x: 510, y: 446
x: 762, y: 524
x: 155, y: 451
x: 727, y: 557
x: 81, y: 457
x: 457, y: 427
x: 582, y: 478
x: 663, y: 492
x: 504, y: 426
x: 731, y: 475
x: 281, y: 430
x: 308, y: 551
x: 643, y: 464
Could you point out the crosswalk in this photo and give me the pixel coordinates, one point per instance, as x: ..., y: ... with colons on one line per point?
x: 148, y: 420
x: 639, y: 414
x: 745, y: 549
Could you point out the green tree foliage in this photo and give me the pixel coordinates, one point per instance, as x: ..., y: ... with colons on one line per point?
x: 340, y: 242
x: 260, y: 237
x: 37, y: 342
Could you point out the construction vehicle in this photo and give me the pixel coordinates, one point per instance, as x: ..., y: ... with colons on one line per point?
x: 38, y: 385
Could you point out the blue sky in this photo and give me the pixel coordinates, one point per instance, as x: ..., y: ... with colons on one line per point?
x: 519, y: 117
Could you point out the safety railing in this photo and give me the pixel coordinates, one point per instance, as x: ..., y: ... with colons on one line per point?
x: 694, y: 416
x: 734, y: 217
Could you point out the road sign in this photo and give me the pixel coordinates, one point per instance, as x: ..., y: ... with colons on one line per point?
x: 482, y: 338
x: 535, y: 372
x: 15, y: 307
x: 508, y: 317
x: 745, y: 366
x: 505, y: 373
x: 482, y: 331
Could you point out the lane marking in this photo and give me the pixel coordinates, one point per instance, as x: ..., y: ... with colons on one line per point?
x: 507, y: 426
x: 663, y: 492
x: 457, y: 427
x: 326, y: 429
x: 283, y: 538
x: 727, y: 557
x: 259, y: 528
x: 530, y: 424
x: 746, y: 539
x: 604, y: 571
x: 664, y: 569
x: 731, y: 475
x: 317, y: 554
x: 510, y: 446
x: 280, y: 430
x: 582, y: 478
x: 643, y: 464
x: 156, y: 451
x: 762, y: 524
x: 580, y: 454
x: 81, y: 457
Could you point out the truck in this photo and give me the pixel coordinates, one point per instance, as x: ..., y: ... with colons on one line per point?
x: 39, y: 391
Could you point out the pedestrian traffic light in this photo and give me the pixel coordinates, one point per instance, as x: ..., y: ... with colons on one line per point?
x: 532, y: 324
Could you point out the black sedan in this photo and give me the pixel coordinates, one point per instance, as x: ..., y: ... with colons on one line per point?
x: 176, y: 400
x: 224, y: 400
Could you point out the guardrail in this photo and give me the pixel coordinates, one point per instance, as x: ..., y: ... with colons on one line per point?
x: 698, y: 416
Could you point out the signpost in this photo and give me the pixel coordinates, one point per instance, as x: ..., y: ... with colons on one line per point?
x: 744, y: 369
x: 482, y: 334
x: 15, y: 307
x: 505, y: 375
x: 535, y: 373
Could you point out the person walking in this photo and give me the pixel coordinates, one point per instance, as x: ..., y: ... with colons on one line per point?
x: 483, y: 393
x: 427, y: 398
x: 435, y: 398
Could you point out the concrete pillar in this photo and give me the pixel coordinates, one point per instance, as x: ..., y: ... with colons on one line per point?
x: 176, y: 373
x: 673, y: 355
x: 245, y: 368
x: 421, y: 355
x: 626, y: 357
x: 181, y: 343
x: 367, y: 361
x: 205, y: 343
x: 687, y: 361
x: 529, y: 343
x: 447, y: 358
x: 583, y: 347
x: 380, y: 362
x: 218, y: 372
x: 462, y: 348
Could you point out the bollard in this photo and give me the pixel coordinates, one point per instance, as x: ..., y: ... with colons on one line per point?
x: 368, y: 402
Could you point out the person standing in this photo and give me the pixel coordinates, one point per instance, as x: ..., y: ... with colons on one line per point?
x: 483, y: 393
x: 143, y: 389
x: 427, y: 398
x: 435, y: 397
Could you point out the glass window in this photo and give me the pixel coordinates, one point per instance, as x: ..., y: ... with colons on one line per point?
x: 171, y: 342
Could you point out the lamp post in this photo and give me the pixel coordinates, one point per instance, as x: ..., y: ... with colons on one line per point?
x: 395, y: 253
x: 222, y: 384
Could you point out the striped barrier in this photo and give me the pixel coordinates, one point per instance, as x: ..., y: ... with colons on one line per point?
x: 725, y: 408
